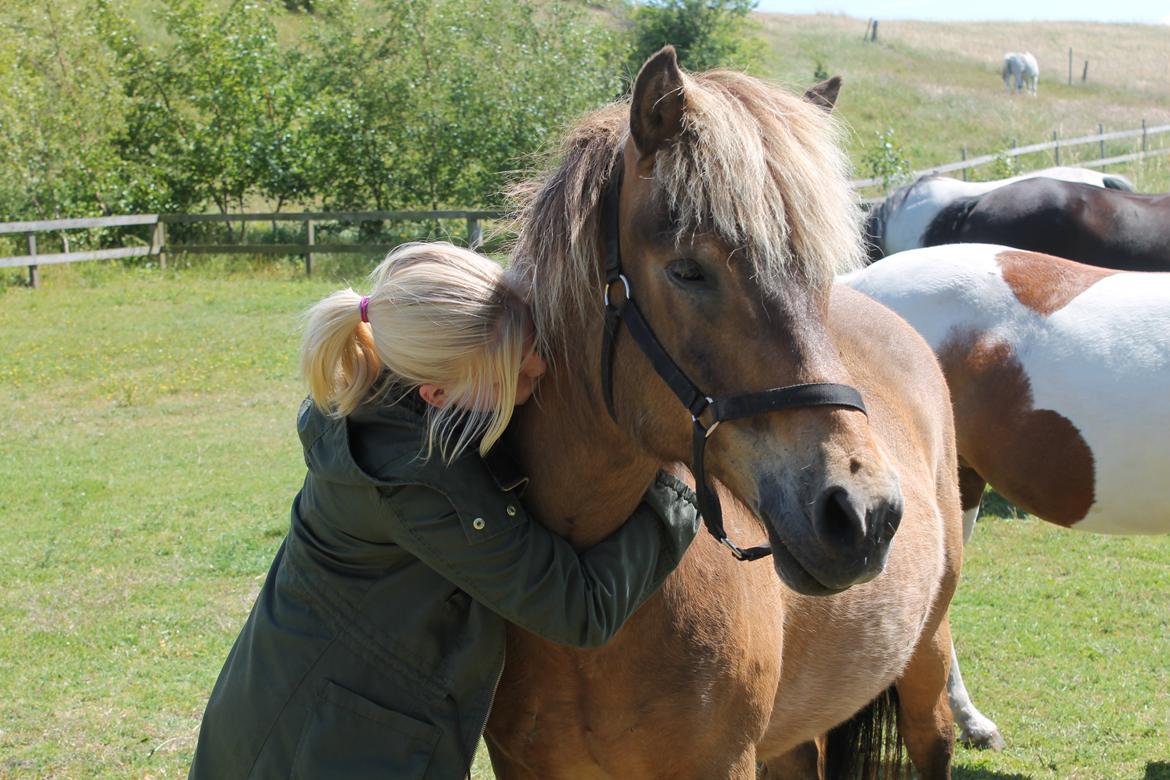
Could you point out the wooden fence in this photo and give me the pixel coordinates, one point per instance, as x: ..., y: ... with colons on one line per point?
x: 1056, y: 144
x: 159, y: 246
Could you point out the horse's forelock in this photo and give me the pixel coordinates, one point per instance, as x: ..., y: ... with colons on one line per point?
x: 765, y: 169
x: 760, y: 166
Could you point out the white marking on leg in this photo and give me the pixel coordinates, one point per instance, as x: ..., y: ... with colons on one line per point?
x: 975, y: 728
x: 969, y: 518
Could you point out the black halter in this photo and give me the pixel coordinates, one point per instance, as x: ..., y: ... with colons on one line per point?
x: 694, y: 399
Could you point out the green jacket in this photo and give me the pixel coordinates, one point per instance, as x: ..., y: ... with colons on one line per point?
x: 377, y: 640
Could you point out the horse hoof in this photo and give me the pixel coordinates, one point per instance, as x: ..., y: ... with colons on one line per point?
x: 983, y: 738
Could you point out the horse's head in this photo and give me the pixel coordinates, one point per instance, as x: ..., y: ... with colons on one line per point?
x: 735, y: 212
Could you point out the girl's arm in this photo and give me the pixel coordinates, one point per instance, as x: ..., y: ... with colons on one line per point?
x: 533, y: 577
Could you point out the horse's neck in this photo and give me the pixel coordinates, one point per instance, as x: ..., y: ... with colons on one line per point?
x: 586, y: 477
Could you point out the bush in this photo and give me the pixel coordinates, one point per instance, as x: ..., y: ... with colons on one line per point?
x: 886, y: 161
x: 705, y: 33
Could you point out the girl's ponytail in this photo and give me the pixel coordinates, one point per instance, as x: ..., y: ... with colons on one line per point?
x: 437, y: 314
x: 338, y: 358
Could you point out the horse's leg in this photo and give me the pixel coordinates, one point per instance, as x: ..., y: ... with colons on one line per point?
x: 975, y: 728
x: 743, y: 767
x: 803, y: 762
x: 971, y: 487
x: 924, y: 715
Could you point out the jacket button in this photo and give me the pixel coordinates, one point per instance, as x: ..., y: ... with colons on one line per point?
x: 511, y: 510
x: 478, y: 523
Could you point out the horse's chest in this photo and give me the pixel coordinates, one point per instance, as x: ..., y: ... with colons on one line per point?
x: 648, y: 700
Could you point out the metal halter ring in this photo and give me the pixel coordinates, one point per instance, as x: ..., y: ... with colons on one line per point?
x: 735, y: 550
x: 625, y: 283
x: 699, y: 423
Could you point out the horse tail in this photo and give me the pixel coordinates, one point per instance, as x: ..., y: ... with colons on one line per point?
x: 1114, y: 182
x: 949, y: 222
x: 868, y: 745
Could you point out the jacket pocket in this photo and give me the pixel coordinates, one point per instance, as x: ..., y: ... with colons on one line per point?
x: 350, y: 736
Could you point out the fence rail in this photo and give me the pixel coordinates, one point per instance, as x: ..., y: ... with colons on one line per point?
x: 160, y: 246
x: 1056, y: 145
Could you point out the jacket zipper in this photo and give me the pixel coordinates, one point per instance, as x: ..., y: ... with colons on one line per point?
x: 488, y: 712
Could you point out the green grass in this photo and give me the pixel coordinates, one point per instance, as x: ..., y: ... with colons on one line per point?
x: 147, y: 460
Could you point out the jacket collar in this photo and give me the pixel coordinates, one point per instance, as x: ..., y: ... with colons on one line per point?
x: 505, y: 473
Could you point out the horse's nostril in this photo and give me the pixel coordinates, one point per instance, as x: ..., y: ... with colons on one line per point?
x: 838, y: 522
x: 886, y: 518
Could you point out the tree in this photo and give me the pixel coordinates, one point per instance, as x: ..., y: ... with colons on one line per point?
x: 60, y: 111
x: 215, y: 117
x: 438, y: 101
x: 705, y: 33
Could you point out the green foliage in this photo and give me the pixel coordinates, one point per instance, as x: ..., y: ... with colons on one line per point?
x: 213, y: 117
x: 885, y: 160
x: 60, y: 108
x: 1002, y: 167
x: 434, y: 106
x: 370, y: 105
x: 820, y: 73
x: 706, y: 33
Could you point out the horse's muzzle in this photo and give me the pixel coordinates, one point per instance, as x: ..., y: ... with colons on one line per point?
x: 835, y: 541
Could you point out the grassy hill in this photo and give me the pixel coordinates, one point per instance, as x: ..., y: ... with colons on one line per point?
x: 937, y: 85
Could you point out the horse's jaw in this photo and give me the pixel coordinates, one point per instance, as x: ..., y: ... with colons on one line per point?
x: 586, y: 475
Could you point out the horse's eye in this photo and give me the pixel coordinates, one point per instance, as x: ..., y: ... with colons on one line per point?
x: 686, y: 270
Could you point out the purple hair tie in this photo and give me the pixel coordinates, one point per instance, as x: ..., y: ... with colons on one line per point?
x: 365, y: 304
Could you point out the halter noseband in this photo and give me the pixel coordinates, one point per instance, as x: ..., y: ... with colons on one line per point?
x: 695, y: 400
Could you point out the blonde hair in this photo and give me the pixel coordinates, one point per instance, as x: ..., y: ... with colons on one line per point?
x: 437, y: 314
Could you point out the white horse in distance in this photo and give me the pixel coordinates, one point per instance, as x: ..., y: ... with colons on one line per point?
x: 1022, y: 67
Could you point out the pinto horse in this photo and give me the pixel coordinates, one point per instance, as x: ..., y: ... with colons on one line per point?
x: 903, y: 220
x: 1109, y: 228
x: 724, y: 206
x: 1051, y: 365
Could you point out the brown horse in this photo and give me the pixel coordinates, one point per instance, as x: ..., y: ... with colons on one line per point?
x: 734, y: 212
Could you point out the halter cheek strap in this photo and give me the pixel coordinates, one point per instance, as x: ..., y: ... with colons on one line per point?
x: 698, y: 403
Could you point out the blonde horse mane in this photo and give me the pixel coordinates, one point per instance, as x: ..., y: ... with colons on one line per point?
x: 761, y: 167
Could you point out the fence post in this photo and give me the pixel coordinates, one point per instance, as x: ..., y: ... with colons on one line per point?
x: 34, y: 275
x: 1085, y: 73
x: 1070, y: 67
x: 310, y: 239
x: 158, y: 243
x: 963, y: 152
x: 873, y: 35
x: 1056, y: 140
x: 474, y: 233
x: 865, y: 38
x: 1101, y: 131
x: 1144, y: 137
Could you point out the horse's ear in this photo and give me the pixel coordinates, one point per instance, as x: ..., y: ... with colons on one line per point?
x: 825, y: 93
x: 656, y: 111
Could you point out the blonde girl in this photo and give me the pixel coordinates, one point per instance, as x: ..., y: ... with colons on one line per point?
x: 377, y: 638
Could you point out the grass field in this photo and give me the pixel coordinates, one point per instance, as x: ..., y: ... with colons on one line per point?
x: 147, y: 461
x: 937, y: 85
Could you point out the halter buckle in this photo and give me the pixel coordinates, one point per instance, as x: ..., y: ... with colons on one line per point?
x: 736, y: 551
x: 625, y: 283
x: 699, y: 423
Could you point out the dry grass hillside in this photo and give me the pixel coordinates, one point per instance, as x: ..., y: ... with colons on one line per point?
x: 937, y: 85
